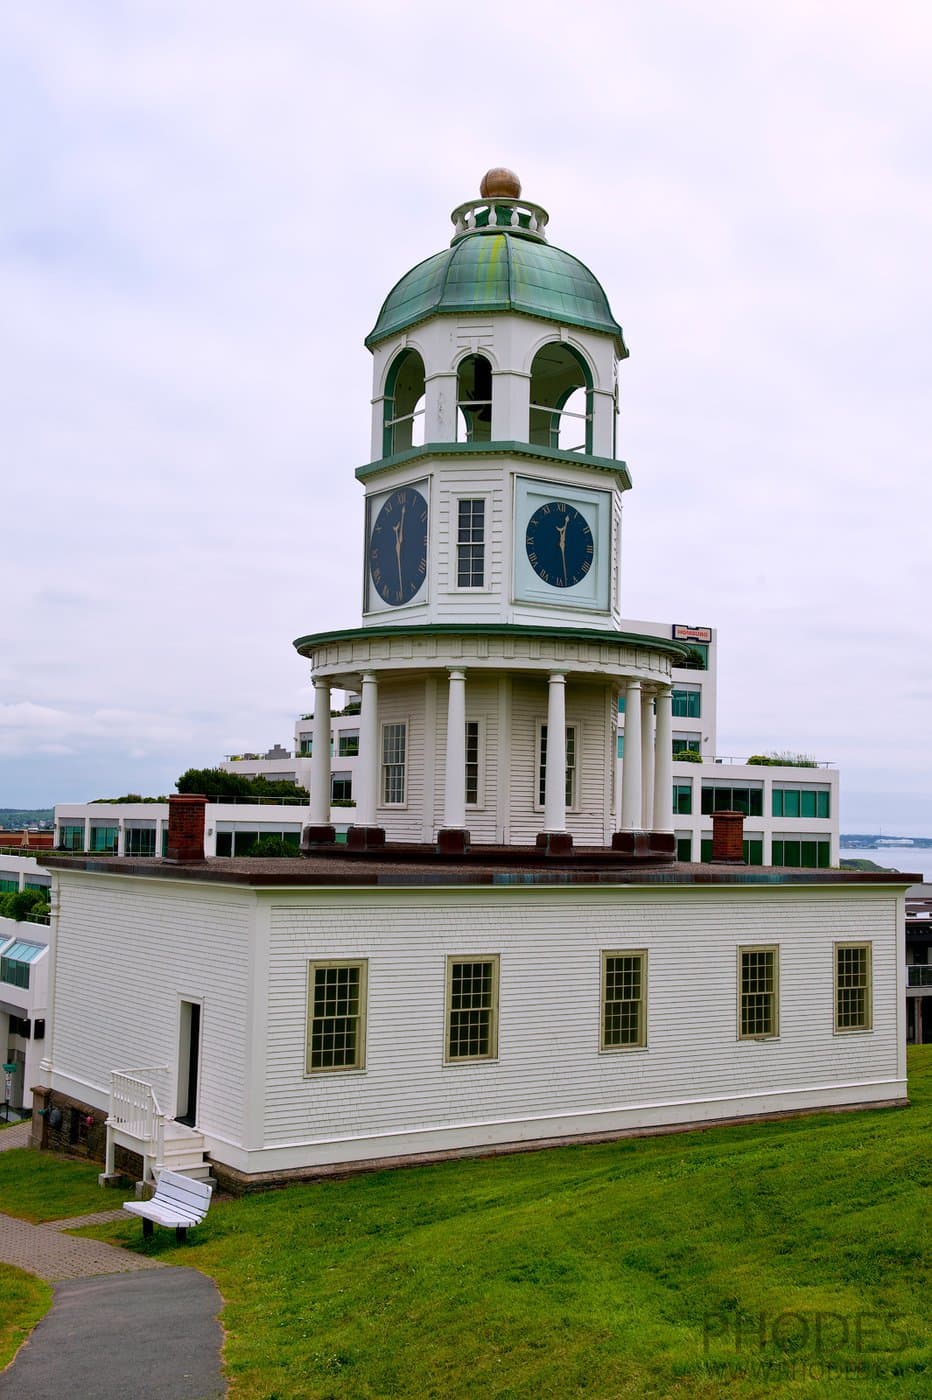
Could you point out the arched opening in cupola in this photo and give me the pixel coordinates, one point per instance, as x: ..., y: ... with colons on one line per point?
x: 403, y: 404
x: 474, y: 400
x: 561, y: 399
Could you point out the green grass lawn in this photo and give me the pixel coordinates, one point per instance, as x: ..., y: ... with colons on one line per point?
x: 23, y: 1301
x: 37, y: 1186
x: 775, y: 1259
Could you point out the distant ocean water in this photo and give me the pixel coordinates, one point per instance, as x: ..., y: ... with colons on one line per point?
x: 905, y: 858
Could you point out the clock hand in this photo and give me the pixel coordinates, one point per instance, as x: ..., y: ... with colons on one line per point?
x: 561, y: 539
x: 399, y: 530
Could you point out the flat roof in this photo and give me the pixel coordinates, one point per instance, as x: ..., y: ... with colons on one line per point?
x: 502, y: 866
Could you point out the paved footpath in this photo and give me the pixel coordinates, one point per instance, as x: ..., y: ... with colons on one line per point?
x: 122, y: 1326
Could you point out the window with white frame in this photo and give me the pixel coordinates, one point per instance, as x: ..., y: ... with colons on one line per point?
x: 624, y: 1000
x: 570, y: 765
x: 472, y: 1008
x: 470, y: 543
x: 853, y: 1010
x: 336, y: 1016
x: 394, y: 758
x: 758, y: 996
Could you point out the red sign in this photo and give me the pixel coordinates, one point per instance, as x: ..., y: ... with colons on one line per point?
x: 682, y: 633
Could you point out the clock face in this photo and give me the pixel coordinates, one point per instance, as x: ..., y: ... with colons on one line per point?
x: 398, y: 546
x: 559, y: 544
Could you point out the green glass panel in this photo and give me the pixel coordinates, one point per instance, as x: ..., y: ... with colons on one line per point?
x: 807, y: 804
x: 791, y: 803
x: 753, y: 852
x: 684, y: 848
x: 823, y: 804
x: 776, y: 802
x: 824, y: 854
x: 705, y: 850
x: 809, y: 854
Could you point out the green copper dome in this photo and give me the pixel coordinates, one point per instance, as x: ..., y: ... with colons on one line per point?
x: 496, y: 269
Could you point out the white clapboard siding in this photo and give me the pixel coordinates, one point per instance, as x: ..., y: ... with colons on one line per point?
x: 404, y: 702
x: 483, y: 479
x: 528, y: 708
x: 550, y: 943
x: 127, y: 954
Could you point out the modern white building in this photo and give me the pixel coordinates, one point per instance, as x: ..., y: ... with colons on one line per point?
x: 505, y: 950
x: 23, y: 984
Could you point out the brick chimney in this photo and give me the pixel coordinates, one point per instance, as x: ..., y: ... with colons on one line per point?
x: 728, y: 838
x: 186, y: 820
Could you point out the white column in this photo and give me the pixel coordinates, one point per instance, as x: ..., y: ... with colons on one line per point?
x: 454, y: 801
x: 631, y: 763
x: 87, y: 833
x: 121, y: 837
x: 663, y: 762
x: 367, y: 771
x: 320, y: 755
x: 555, y: 772
x: 647, y: 759
x: 440, y: 421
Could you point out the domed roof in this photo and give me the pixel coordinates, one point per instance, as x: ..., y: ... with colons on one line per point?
x: 495, y: 268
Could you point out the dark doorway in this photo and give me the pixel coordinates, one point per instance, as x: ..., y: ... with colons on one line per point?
x: 189, y: 1054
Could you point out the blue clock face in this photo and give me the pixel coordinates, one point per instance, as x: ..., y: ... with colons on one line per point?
x: 398, y: 546
x: 559, y: 544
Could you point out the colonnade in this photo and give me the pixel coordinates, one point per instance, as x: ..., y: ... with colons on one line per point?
x: 647, y: 769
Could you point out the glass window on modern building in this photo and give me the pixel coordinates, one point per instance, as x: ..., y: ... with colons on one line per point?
x: 687, y: 702
x: 139, y: 840
x: 341, y: 787
x: 801, y: 852
x: 720, y: 797
x: 809, y: 802
x: 71, y: 836
x: 104, y: 839
x: 682, y: 799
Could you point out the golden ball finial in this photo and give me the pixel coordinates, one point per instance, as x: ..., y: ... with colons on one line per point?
x: 500, y: 183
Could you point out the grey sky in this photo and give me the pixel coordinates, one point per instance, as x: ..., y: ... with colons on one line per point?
x: 203, y: 207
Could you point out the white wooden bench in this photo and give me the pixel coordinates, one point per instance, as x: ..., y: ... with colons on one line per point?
x: 179, y: 1201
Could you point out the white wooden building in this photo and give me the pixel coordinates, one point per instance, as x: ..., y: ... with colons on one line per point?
x: 506, y: 949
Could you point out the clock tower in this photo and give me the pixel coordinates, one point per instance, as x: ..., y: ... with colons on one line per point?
x: 490, y: 658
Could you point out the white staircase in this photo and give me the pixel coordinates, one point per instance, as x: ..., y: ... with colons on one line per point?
x: 183, y: 1151
x: 137, y: 1121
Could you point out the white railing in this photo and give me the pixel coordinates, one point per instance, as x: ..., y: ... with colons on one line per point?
x: 136, y: 1111
x: 919, y: 975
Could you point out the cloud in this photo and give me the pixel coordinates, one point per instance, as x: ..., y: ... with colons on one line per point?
x: 213, y: 201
